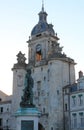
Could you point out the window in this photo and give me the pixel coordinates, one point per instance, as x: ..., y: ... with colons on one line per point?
x: 44, y: 78
x: 38, y: 93
x: 38, y: 53
x: 39, y: 85
x: 43, y: 110
x: 41, y: 69
x: 0, y: 121
x: 1, y: 109
x: 48, y: 74
x: 7, y: 121
x: 7, y: 109
x: 74, y: 120
x: 43, y: 93
x: 81, y: 85
x: 51, y: 128
x: 41, y: 17
x: 80, y: 99
x: 65, y: 91
x: 81, y: 119
x: 57, y: 92
x: 65, y: 107
x: 74, y: 100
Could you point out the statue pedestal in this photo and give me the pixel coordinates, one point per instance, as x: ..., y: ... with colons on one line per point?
x: 27, y: 118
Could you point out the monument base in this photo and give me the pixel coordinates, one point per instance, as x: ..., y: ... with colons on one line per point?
x: 27, y: 118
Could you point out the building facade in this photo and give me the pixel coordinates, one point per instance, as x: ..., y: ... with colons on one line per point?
x: 5, y: 111
x: 77, y: 106
x: 53, y: 74
x: 74, y: 104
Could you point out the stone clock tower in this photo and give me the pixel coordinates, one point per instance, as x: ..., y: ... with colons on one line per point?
x: 51, y: 71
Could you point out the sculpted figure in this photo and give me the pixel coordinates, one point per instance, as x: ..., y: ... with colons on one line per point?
x: 27, y: 98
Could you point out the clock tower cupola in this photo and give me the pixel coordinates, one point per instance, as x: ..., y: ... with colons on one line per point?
x: 42, y: 40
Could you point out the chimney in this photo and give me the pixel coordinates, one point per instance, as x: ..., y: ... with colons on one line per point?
x: 80, y: 74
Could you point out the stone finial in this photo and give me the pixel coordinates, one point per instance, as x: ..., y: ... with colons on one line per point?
x: 20, y: 61
x: 42, y: 5
x: 56, y: 34
x: 21, y: 57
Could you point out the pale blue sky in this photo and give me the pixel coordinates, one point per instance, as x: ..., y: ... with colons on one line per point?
x: 18, y: 17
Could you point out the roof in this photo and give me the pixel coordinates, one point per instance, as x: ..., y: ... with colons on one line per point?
x: 72, y: 87
x: 42, y: 25
x: 4, y: 96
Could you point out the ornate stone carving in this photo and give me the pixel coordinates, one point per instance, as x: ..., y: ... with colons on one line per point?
x: 21, y: 58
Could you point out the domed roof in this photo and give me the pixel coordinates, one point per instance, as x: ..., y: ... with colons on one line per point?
x: 42, y: 25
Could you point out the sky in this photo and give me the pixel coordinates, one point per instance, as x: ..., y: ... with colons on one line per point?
x: 17, y: 19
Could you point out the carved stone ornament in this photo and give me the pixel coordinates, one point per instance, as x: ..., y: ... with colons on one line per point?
x: 21, y: 58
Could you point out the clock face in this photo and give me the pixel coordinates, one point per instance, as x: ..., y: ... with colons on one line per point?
x: 20, y: 80
x: 38, y: 48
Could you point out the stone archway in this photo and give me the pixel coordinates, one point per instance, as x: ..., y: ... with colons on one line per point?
x: 40, y: 127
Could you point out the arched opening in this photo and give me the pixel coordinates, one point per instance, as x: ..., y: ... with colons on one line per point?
x: 40, y: 127
x: 38, y: 52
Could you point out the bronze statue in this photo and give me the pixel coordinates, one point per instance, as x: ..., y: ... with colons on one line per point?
x: 27, y: 98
